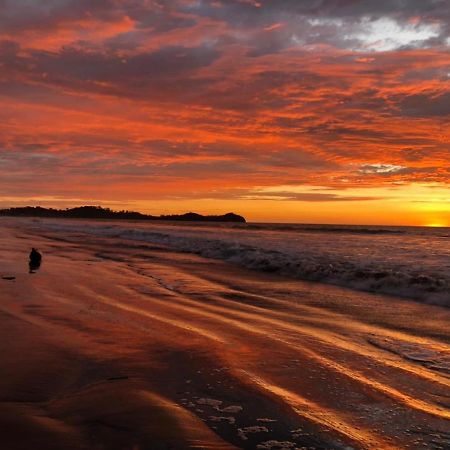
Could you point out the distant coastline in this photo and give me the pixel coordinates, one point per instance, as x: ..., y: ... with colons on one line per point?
x: 98, y: 212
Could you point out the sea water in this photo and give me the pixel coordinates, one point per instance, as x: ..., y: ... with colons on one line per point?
x: 412, y: 262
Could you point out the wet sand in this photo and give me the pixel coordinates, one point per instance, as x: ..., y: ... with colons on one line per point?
x: 122, y: 345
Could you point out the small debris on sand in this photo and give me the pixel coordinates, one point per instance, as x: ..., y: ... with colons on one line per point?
x: 209, y: 402
x: 233, y: 409
x: 230, y: 420
x: 298, y: 433
x: 8, y: 277
x: 276, y: 445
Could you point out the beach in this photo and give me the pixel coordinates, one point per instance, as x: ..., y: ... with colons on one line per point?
x: 123, y: 342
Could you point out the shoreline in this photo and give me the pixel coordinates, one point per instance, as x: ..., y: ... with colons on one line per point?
x: 355, y: 267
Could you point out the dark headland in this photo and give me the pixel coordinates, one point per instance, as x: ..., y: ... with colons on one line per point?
x: 97, y: 212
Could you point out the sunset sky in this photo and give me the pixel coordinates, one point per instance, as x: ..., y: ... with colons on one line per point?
x: 323, y: 111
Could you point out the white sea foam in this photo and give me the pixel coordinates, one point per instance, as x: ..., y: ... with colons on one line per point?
x: 421, y: 353
x: 229, y: 419
x: 244, y: 432
x: 409, y: 262
x: 233, y: 409
x: 277, y: 445
x: 209, y: 402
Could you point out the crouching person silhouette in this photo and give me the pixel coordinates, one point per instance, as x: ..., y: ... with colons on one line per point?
x: 35, y: 260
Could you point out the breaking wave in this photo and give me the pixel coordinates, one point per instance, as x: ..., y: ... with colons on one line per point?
x: 415, y: 266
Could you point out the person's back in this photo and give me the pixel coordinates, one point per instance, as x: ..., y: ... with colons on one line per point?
x: 35, y: 256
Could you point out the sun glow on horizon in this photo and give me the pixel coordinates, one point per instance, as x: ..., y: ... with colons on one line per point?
x: 437, y: 225
x: 418, y: 204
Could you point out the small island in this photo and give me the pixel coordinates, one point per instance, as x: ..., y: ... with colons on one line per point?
x: 98, y: 212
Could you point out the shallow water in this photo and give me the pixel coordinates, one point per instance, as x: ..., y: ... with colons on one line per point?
x: 412, y: 262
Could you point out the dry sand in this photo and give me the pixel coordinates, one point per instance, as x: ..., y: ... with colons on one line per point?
x: 118, y: 345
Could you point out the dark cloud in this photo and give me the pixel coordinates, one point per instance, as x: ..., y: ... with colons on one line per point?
x: 50, y: 14
x: 426, y: 104
x: 169, y: 71
x: 246, y: 11
x: 332, y: 22
x: 341, y: 23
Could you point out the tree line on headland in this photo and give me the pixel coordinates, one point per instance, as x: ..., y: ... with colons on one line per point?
x: 98, y: 212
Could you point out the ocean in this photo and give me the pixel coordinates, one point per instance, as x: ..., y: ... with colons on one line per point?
x: 411, y: 262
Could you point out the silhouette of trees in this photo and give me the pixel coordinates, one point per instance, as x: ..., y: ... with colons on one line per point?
x: 98, y: 212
